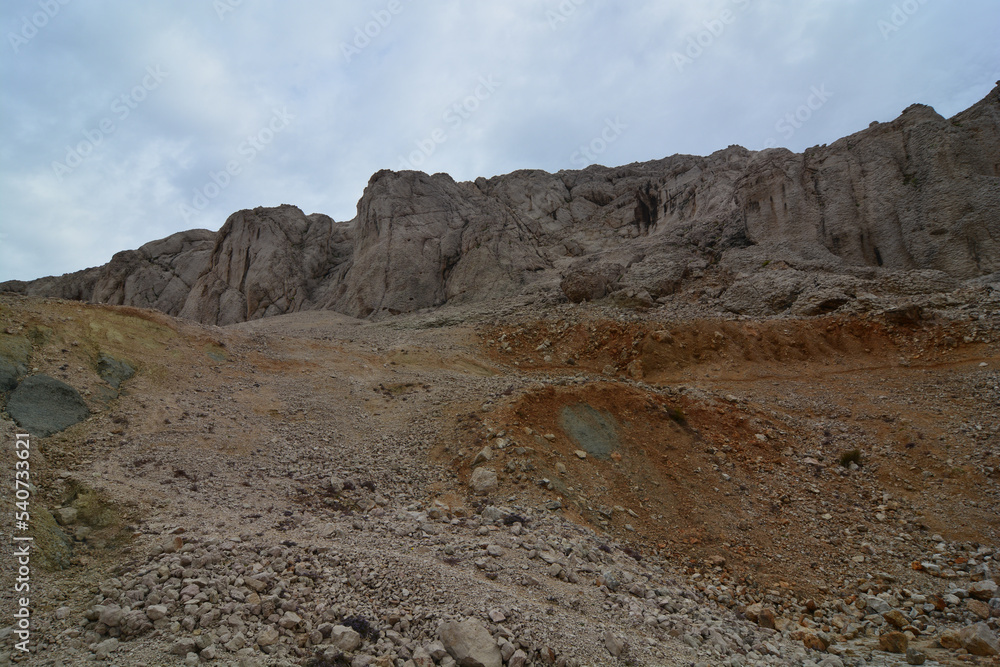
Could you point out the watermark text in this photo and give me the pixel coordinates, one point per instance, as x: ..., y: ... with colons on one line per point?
x: 247, y: 152
x: 22, y: 542
x: 788, y: 124
x: 898, y: 17
x: 454, y: 116
x: 48, y: 9
x: 697, y: 43
x: 588, y: 153
x: 122, y: 107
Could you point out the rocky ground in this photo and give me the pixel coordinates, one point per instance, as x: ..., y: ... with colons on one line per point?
x: 519, y: 484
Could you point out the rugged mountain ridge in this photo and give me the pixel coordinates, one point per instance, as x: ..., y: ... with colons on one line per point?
x: 768, y: 231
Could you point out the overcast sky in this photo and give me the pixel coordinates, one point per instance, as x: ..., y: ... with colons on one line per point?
x: 125, y: 122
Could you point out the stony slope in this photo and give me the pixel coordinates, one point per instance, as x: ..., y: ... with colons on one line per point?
x: 920, y: 193
x: 664, y: 491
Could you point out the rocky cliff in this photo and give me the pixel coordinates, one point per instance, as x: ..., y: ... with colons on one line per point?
x: 774, y: 230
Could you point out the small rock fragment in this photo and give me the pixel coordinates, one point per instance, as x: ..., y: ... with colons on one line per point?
x: 483, y: 480
x: 893, y: 642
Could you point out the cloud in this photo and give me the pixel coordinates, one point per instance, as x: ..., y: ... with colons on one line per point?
x: 368, y: 84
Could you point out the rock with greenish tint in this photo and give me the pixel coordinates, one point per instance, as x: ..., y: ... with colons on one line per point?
x: 114, y: 371
x: 183, y: 646
x: 595, y: 432
x: 10, y: 373
x: 51, y: 548
x: 43, y: 405
x: 14, y: 353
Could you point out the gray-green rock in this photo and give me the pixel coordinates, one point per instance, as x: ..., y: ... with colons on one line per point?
x: 43, y: 405
x: 14, y: 353
x: 114, y: 371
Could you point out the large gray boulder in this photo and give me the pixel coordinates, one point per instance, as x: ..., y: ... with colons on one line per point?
x: 470, y: 644
x: 43, y: 405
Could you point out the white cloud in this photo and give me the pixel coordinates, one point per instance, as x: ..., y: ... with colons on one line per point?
x: 564, y: 67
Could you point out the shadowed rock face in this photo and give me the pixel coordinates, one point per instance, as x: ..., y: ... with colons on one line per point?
x: 921, y: 193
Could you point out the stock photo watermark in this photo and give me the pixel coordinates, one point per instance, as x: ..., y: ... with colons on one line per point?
x: 898, y: 17
x: 454, y: 117
x: 225, y: 7
x: 788, y: 124
x: 597, y: 146
x: 365, y: 34
x: 21, y: 563
x: 562, y: 13
x: 122, y: 107
x: 247, y: 151
x: 31, y: 25
x: 697, y: 43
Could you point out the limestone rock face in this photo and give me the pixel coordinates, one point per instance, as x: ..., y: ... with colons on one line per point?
x: 908, y: 205
x: 423, y: 240
x: 266, y: 261
x: 919, y: 192
x: 158, y: 275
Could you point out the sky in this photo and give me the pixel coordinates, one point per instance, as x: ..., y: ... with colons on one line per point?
x: 126, y: 122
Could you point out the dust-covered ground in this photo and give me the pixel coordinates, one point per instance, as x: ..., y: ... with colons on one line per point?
x: 575, y: 484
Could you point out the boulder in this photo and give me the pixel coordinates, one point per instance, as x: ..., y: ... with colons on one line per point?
x: 483, y: 480
x: 470, y: 644
x: 114, y: 371
x: 43, y: 405
x: 983, y: 590
x: 978, y: 639
x: 893, y: 642
x: 345, y: 638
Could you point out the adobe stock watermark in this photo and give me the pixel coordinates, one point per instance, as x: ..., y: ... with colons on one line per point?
x: 898, y: 17
x: 247, y: 152
x: 562, y: 13
x: 788, y: 124
x: 30, y: 25
x: 21, y: 562
x: 122, y: 107
x: 225, y: 7
x: 453, y: 117
x: 365, y: 34
x: 697, y: 43
x: 608, y: 135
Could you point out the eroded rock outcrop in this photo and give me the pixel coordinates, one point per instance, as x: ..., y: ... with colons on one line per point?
x: 781, y: 231
x: 267, y: 261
